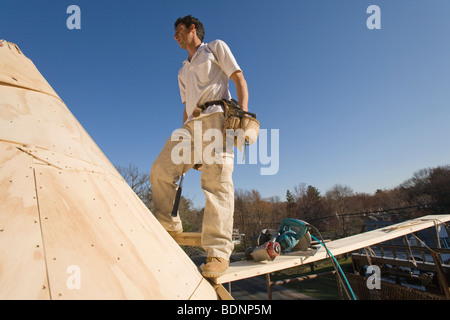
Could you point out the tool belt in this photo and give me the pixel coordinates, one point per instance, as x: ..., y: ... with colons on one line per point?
x: 235, y: 119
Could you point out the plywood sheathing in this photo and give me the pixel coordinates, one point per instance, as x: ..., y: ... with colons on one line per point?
x: 70, y: 226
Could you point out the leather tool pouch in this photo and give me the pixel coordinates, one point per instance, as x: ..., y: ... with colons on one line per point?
x: 242, y: 124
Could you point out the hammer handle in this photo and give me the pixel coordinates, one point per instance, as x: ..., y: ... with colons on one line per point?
x: 176, y: 203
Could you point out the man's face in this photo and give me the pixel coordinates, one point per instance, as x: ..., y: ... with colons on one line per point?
x: 183, y: 35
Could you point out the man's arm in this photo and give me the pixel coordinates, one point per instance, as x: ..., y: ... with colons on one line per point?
x: 241, y: 89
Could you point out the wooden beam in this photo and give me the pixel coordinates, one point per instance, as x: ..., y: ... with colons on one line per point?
x: 246, y: 269
x: 427, y: 266
x: 222, y: 292
x: 189, y: 239
x: 441, y: 275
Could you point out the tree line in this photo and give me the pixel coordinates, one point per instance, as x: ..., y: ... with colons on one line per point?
x: 339, y: 212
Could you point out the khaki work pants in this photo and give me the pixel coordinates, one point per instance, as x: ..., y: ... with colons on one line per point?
x: 216, y: 183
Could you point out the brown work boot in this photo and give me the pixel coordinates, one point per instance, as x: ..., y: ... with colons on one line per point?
x: 214, y: 267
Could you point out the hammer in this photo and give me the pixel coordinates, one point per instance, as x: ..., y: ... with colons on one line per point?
x: 177, y: 198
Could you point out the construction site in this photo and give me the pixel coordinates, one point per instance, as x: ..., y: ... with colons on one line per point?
x: 71, y: 228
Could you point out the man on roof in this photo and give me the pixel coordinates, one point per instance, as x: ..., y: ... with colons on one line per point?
x: 204, y: 84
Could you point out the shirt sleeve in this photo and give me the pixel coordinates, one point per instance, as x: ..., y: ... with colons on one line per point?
x: 182, y: 88
x: 224, y: 56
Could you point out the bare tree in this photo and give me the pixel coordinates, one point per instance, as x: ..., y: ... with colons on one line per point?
x: 340, y: 197
x: 139, y: 182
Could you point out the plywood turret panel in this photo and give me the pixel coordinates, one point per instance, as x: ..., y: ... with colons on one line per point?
x: 70, y: 226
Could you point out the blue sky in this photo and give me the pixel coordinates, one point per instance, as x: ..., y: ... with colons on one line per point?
x: 354, y: 106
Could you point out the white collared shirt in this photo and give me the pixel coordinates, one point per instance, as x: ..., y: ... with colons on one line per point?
x: 206, y: 77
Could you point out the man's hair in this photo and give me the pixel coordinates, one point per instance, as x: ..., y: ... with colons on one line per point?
x: 188, y: 21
